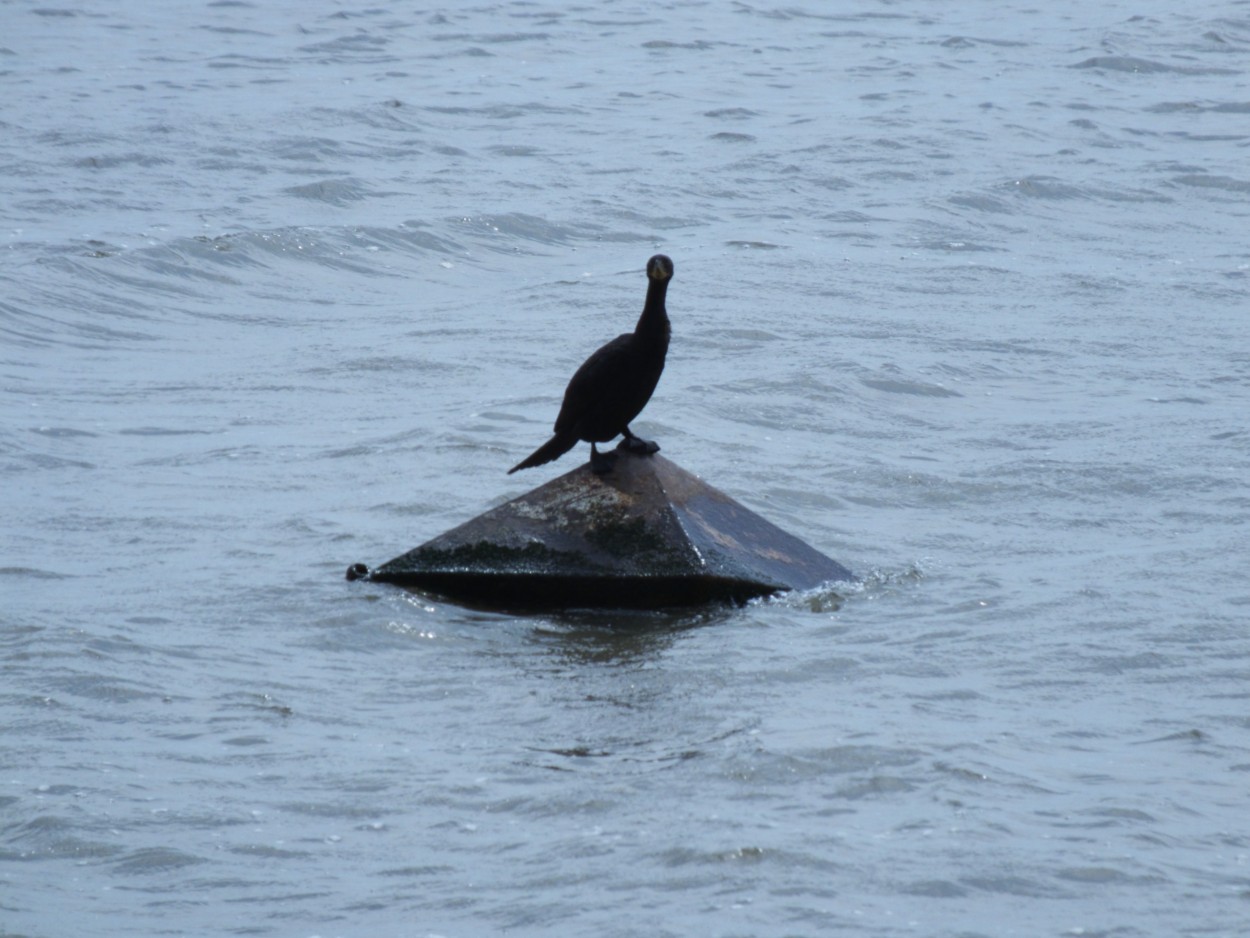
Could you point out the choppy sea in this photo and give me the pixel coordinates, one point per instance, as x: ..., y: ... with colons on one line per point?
x: 960, y: 299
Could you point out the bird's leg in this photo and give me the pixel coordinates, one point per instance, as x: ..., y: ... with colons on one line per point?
x: 638, y: 445
x: 601, y: 462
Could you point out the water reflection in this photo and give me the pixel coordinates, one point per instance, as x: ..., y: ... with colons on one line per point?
x: 621, y: 636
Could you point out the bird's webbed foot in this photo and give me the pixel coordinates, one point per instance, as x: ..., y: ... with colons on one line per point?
x: 637, y: 445
x: 601, y: 462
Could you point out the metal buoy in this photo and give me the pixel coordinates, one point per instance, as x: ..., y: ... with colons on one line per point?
x: 647, y: 534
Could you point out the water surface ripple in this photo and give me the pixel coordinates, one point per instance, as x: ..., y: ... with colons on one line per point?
x: 960, y: 300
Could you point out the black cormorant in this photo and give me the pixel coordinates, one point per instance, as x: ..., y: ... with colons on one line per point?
x: 614, y: 384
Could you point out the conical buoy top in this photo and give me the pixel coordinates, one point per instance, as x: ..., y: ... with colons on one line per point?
x: 648, y: 534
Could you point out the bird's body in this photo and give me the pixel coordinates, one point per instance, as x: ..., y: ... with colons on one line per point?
x: 614, y: 384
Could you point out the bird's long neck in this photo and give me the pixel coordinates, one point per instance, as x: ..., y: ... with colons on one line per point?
x: 653, y: 326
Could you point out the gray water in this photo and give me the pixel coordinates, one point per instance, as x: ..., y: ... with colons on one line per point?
x: 960, y: 300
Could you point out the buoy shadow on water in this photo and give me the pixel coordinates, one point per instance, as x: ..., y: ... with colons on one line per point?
x: 647, y: 535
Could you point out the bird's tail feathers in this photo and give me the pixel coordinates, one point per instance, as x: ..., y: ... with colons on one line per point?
x: 554, y: 448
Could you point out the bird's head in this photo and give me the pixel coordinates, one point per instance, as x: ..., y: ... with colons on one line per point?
x: 660, y: 267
